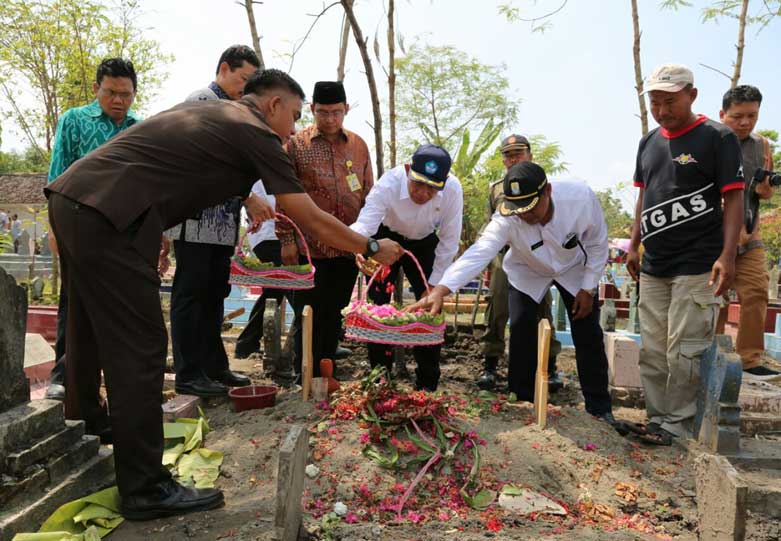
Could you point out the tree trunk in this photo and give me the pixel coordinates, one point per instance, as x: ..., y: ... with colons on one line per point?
x: 254, y: 31
x: 345, y: 40
x: 639, y: 70
x: 392, y: 82
x: 741, y: 44
x: 367, y: 64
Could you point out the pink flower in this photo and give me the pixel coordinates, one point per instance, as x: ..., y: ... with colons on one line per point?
x: 590, y: 446
x: 414, y: 517
x: 365, y: 438
x: 351, y: 518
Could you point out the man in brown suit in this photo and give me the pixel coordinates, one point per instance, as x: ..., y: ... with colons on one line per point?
x: 109, y: 210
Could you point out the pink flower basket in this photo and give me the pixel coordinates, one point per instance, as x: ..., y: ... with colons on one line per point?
x: 276, y: 278
x: 362, y: 327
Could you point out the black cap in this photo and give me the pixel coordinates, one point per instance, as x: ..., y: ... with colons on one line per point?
x: 430, y: 165
x: 328, y: 92
x: 514, y: 141
x: 522, y: 187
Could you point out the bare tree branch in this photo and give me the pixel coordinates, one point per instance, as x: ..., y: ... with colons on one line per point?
x: 392, y: 81
x: 716, y: 70
x: 309, y: 31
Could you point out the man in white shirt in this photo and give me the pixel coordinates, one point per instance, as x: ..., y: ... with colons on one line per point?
x: 557, y: 235
x: 420, y: 206
x: 266, y: 247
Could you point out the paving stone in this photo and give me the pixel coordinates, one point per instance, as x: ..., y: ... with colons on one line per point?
x: 290, y: 483
x: 16, y: 463
x: 94, y: 475
x: 721, y: 499
x: 23, y: 425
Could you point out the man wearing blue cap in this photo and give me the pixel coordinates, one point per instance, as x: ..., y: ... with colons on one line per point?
x: 420, y: 206
x: 557, y: 236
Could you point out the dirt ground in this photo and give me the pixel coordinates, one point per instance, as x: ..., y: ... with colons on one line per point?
x: 614, y: 487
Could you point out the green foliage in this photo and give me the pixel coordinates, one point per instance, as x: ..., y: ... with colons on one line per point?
x: 6, y: 243
x: 775, y: 201
x: 619, y: 221
x: 538, y: 22
x: 441, y: 92
x: 731, y: 9
x: 50, y: 49
x: 28, y: 161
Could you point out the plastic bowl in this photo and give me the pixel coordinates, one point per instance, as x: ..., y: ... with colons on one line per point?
x: 253, y: 397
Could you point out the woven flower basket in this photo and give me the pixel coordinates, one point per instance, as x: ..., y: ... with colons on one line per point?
x: 361, y: 327
x: 276, y: 278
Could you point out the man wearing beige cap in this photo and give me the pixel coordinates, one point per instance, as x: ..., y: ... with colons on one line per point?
x: 688, y: 217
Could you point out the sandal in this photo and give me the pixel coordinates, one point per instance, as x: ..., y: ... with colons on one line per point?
x: 660, y: 436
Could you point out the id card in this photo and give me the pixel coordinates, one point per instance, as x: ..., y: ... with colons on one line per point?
x: 353, y: 182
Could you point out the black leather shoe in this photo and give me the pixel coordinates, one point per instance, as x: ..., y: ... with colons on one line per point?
x: 55, y: 392
x: 203, y: 387
x: 170, y: 498
x: 342, y: 352
x: 231, y: 379
x: 555, y: 383
x: 487, y: 380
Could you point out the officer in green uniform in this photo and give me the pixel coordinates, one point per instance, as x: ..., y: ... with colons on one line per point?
x: 514, y: 149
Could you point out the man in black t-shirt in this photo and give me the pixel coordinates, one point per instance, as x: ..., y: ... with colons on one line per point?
x: 685, y: 170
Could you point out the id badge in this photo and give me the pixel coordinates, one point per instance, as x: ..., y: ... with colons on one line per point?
x: 353, y: 182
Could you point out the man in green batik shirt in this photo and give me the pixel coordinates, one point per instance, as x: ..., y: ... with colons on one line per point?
x: 79, y: 131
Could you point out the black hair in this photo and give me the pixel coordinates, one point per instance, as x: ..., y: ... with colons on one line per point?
x: 116, y: 67
x: 741, y: 94
x: 236, y: 55
x: 264, y: 80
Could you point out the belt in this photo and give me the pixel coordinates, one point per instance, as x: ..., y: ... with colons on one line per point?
x: 750, y: 245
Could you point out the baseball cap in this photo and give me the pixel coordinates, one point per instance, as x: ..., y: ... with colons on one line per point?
x: 512, y: 142
x: 430, y: 165
x: 522, y: 186
x: 669, y: 78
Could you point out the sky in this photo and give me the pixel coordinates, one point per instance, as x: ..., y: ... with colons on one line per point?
x: 575, y: 81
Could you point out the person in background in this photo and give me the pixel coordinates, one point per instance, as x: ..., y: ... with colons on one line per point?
x: 419, y: 205
x: 335, y: 168
x: 514, y: 149
x: 79, y: 131
x: 16, y: 231
x: 266, y: 248
x: 203, y: 248
x: 688, y: 216
x: 740, y: 112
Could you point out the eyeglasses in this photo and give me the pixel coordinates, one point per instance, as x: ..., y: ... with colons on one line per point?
x: 329, y: 114
x: 124, y: 96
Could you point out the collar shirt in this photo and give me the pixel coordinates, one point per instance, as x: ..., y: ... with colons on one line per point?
x: 266, y: 229
x: 81, y: 130
x: 537, y: 256
x: 389, y: 203
x: 337, y: 176
x: 218, y: 224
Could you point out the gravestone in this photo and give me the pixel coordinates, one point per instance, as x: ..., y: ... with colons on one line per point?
x: 36, y: 288
x: 717, y: 421
x: 24, y: 243
x: 772, y: 286
x: 290, y: 484
x: 607, y: 316
x: 45, y: 250
x: 45, y: 461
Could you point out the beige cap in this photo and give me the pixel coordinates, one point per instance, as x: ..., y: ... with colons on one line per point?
x: 669, y: 78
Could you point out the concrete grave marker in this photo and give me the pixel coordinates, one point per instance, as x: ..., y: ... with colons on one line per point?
x: 272, y: 337
x: 24, y: 243
x: 290, y: 483
x: 14, y: 387
x: 607, y: 316
x: 623, y: 357
x: 721, y: 499
x: 717, y: 421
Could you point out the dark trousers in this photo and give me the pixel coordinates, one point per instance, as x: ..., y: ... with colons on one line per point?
x: 249, y: 340
x: 197, y: 309
x: 115, y: 324
x: 589, y: 351
x: 58, y: 370
x: 334, y: 281
x: 426, y: 357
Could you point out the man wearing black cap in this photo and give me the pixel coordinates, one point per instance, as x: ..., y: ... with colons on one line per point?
x: 557, y: 236
x: 514, y: 149
x: 420, y: 206
x: 335, y: 168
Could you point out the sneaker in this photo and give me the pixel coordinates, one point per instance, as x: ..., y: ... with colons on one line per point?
x: 761, y: 372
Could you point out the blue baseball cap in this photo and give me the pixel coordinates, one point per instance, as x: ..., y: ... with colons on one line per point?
x: 430, y: 165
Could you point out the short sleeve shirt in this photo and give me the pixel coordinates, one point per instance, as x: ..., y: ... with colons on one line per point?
x: 684, y: 175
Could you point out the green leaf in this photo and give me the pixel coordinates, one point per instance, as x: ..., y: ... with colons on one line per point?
x: 511, y: 490
x: 373, y: 453
x: 487, y: 395
x: 479, y: 501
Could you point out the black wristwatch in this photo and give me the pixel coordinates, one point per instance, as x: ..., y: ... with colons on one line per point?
x: 372, y: 247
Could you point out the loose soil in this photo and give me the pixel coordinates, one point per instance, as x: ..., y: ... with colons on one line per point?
x: 614, y: 487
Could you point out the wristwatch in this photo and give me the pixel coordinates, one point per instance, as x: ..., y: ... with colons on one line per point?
x: 372, y: 247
